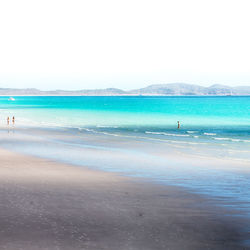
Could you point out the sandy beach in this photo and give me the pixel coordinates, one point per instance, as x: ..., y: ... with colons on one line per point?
x: 124, y: 125
x: 50, y: 205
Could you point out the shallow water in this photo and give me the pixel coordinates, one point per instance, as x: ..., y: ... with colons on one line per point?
x: 222, y: 123
x: 225, y: 180
x: 138, y: 136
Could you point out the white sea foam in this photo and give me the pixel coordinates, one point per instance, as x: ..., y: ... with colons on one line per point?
x: 88, y: 130
x: 230, y: 139
x: 98, y: 132
x: 163, y: 133
x: 103, y: 126
x: 187, y: 142
x: 105, y: 133
x: 178, y: 135
x: 209, y: 134
x: 246, y: 140
x: 222, y: 138
x: 191, y: 132
x: 154, y: 133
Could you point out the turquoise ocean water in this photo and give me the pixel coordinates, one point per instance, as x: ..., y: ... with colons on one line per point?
x: 224, y: 120
x: 222, y: 113
x: 137, y: 136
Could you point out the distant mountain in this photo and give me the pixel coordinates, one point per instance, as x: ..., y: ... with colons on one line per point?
x: 172, y: 89
x: 190, y: 89
x: 59, y: 92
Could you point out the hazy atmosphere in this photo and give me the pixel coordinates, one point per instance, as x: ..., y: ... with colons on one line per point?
x: 123, y: 44
x: 124, y: 125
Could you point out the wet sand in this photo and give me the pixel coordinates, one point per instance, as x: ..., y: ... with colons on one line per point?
x: 49, y: 205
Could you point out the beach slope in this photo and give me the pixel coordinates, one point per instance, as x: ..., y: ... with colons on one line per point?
x: 49, y: 205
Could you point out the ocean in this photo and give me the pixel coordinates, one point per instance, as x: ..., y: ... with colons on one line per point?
x: 138, y: 136
x: 215, y: 121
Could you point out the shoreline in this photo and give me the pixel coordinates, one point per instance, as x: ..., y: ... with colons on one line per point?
x: 51, y: 205
x: 124, y: 95
x: 45, y: 130
x: 223, y: 180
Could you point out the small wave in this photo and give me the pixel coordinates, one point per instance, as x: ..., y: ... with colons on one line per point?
x: 196, y: 143
x: 154, y: 133
x: 209, y: 134
x: 178, y: 135
x: 246, y: 140
x: 97, y: 132
x: 186, y: 142
x: 230, y: 139
x: 105, y: 133
x: 103, y: 126
x: 88, y: 130
x: 222, y: 138
x: 163, y: 133
x: 239, y: 140
x: 191, y: 132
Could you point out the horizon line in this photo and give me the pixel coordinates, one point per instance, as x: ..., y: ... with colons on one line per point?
x: 107, y: 88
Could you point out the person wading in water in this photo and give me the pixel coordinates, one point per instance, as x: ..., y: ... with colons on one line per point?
x: 178, y: 125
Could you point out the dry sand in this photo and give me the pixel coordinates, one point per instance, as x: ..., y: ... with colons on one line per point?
x: 48, y: 205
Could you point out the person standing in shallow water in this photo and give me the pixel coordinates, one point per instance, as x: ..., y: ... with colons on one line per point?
x: 13, y: 120
x: 8, y: 120
x: 178, y: 124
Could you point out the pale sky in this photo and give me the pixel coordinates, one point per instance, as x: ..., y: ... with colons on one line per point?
x: 79, y: 44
